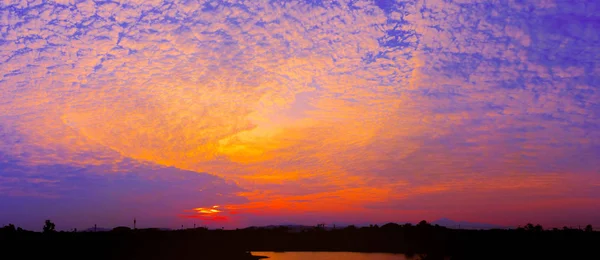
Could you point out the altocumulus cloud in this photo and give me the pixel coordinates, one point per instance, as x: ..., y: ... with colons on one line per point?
x: 344, y: 103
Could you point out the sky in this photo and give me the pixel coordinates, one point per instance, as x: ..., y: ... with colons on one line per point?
x: 233, y: 113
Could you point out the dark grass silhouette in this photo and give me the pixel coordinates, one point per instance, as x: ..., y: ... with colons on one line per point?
x: 424, y: 240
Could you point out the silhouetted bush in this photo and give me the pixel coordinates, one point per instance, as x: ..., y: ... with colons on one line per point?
x: 121, y: 229
x: 9, y: 228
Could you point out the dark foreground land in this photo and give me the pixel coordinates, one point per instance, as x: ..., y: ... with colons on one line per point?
x: 123, y: 244
x: 433, y: 242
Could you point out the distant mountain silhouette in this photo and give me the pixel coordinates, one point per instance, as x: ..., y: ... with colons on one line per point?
x: 445, y: 222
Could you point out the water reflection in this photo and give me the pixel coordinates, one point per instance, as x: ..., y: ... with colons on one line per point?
x: 333, y: 255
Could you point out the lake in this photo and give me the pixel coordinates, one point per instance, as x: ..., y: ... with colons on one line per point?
x: 333, y: 256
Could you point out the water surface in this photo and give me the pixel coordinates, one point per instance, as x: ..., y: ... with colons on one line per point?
x: 333, y: 256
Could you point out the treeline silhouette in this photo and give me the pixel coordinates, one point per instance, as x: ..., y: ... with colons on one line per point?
x: 424, y: 241
x: 120, y: 243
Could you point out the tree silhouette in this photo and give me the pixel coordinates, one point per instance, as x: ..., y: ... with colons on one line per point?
x: 589, y: 228
x: 536, y: 228
x: 423, y: 223
x: 9, y: 229
x: 49, y: 227
x: 529, y: 227
x: 351, y: 227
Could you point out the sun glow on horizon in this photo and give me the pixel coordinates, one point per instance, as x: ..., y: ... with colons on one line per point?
x: 211, y: 210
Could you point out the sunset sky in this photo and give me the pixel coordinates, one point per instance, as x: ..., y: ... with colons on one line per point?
x: 232, y: 113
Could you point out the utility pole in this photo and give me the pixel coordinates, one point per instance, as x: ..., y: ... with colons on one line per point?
x: 95, y: 227
x: 134, y: 223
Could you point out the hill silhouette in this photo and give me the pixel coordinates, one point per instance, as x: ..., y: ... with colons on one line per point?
x: 96, y: 229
